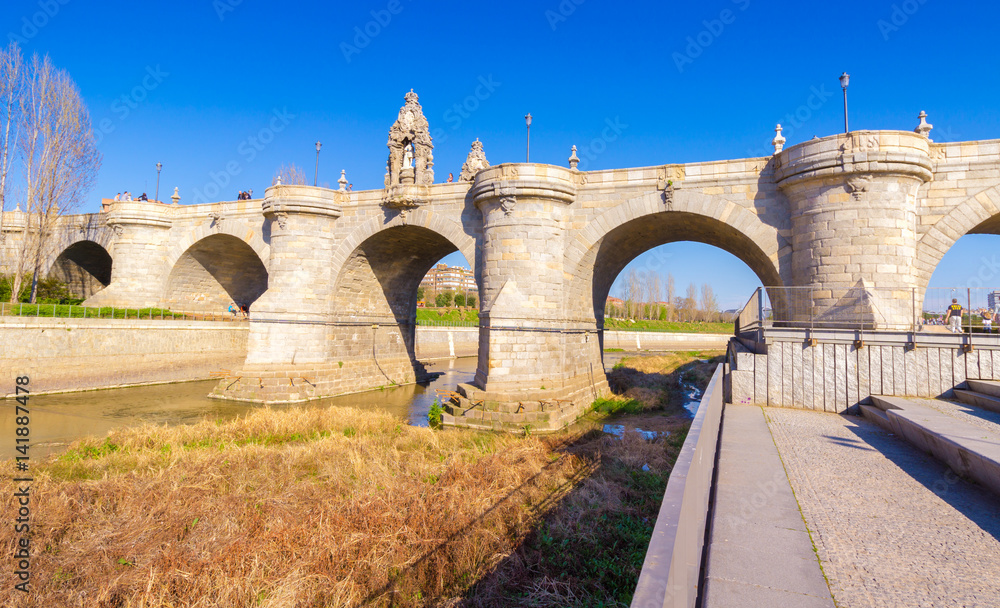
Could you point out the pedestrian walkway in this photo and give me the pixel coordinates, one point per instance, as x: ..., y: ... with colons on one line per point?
x: 759, y: 551
x: 892, y: 526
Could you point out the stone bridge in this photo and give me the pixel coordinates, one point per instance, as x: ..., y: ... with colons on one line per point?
x: 331, y: 275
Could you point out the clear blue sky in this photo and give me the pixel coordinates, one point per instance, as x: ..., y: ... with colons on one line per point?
x: 224, y: 92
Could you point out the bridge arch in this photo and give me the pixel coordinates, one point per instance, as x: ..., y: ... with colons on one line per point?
x: 979, y: 214
x: 84, y: 266
x: 376, y: 272
x: 253, y: 238
x: 602, y: 250
x: 213, y: 267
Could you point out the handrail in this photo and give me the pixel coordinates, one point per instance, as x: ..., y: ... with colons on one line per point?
x: 75, y: 311
x: 671, y: 571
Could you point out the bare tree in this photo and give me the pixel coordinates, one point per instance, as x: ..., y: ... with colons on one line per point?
x: 656, y: 294
x: 709, y: 305
x: 290, y: 175
x: 11, y: 82
x: 58, y: 150
x: 670, y: 297
x: 691, y: 303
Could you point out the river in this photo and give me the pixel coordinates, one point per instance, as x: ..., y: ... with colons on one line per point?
x: 58, y: 420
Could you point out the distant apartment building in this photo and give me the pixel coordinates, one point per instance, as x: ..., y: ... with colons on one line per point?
x: 449, y: 278
x: 993, y: 300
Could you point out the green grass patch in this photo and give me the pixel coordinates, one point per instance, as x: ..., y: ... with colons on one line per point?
x: 66, y: 311
x: 451, y: 317
x: 616, y: 406
x: 696, y: 327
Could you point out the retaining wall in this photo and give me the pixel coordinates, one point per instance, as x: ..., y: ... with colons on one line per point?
x: 78, y: 354
x: 435, y: 342
x: 843, y: 369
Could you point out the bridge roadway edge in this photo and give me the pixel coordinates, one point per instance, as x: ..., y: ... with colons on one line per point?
x: 538, y: 232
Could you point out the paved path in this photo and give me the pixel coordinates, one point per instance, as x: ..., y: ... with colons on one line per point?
x: 892, y: 526
x: 759, y: 553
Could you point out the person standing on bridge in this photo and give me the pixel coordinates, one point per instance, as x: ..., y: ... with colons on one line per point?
x: 955, y: 316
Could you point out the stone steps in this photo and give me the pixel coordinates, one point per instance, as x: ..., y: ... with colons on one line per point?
x: 978, y: 399
x: 971, y: 451
x: 985, y: 387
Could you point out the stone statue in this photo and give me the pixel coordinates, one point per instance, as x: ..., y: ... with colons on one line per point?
x: 474, y: 163
x: 408, y: 156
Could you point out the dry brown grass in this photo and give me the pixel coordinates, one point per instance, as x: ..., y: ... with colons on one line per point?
x: 588, y: 551
x: 332, y: 507
x: 343, y: 507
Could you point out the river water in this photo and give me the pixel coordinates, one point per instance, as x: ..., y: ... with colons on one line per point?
x: 57, y: 420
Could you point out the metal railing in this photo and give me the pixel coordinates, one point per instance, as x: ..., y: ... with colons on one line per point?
x: 446, y: 323
x: 75, y: 311
x: 865, y: 308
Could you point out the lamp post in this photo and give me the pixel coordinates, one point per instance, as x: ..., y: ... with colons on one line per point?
x: 845, y: 79
x: 527, y: 153
x: 156, y: 197
x: 316, y: 175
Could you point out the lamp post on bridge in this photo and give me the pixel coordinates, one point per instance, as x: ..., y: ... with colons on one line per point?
x: 845, y: 79
x: 316, y: 175
x: 527, y: 153
x: 156, y: 196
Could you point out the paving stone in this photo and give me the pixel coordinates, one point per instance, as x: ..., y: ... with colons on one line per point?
x: 892, y: 526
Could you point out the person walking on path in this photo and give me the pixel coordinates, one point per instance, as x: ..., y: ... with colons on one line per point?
x: 955, y: 316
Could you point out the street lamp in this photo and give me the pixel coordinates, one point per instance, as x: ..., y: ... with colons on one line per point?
x: 156, y: 197
x: 527, y: 154
x: 845, y: 79
x: 316, y: 176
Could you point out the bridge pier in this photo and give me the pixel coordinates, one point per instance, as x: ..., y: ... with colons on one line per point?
x: 316, y: 332
x: 853, y: 204
x: 138, y: 249
x: 536, y: 367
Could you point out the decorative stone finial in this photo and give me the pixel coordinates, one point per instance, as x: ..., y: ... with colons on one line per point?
x: 924, y: 128
x: 474, y: 162
x: 176, y: 198
x: 277, y: 181
x: 574, y: 160
x: 779, y: 140
x: 343, y: 180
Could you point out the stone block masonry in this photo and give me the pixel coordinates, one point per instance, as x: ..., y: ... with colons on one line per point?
x: 866, y: 211
x: 81, y: 354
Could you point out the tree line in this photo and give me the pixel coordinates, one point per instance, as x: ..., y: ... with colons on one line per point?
x: 653, y: 297
x: 48, y: 159
x: 444, y: 299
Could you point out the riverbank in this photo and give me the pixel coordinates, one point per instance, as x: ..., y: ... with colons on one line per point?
x: 76, y: 354
x: 431, y: 316
x: 340, y: 506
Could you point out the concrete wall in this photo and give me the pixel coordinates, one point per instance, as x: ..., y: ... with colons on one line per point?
x: 77, y: 354
x: 672, y: 568
x: 835, y: 375
x: 437, y: 342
